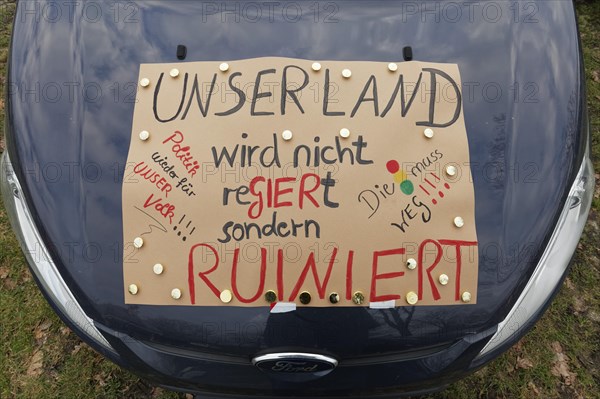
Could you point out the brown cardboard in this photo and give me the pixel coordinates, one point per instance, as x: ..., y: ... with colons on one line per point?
x: 352, y: 231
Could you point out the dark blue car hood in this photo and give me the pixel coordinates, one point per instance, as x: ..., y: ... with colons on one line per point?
x: 72, y: 84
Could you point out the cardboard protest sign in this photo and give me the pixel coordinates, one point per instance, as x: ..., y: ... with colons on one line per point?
x: 278, y: 179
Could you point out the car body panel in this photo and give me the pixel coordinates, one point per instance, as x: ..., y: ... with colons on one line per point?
x: 523, y: 101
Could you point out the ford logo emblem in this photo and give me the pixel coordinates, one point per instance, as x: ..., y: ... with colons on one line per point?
x: 292, y: 366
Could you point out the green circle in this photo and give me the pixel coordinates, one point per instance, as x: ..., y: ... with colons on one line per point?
x: 407, y: 187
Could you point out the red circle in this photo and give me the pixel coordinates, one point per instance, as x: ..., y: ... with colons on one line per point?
x: 392, y: 166
x: 434, y: 202
x: 441, y: 194
x: 447, y: 185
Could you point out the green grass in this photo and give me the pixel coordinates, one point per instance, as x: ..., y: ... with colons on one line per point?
x: 41, y: 358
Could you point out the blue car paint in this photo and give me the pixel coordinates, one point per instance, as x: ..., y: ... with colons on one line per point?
x: 69, y: 151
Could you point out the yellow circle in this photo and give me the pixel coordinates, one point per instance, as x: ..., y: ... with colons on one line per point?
x: 400, y: 176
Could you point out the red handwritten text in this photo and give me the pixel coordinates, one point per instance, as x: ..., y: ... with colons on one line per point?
x: 310, y: 277
x: 183, y: 153
x: 278, y: 193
